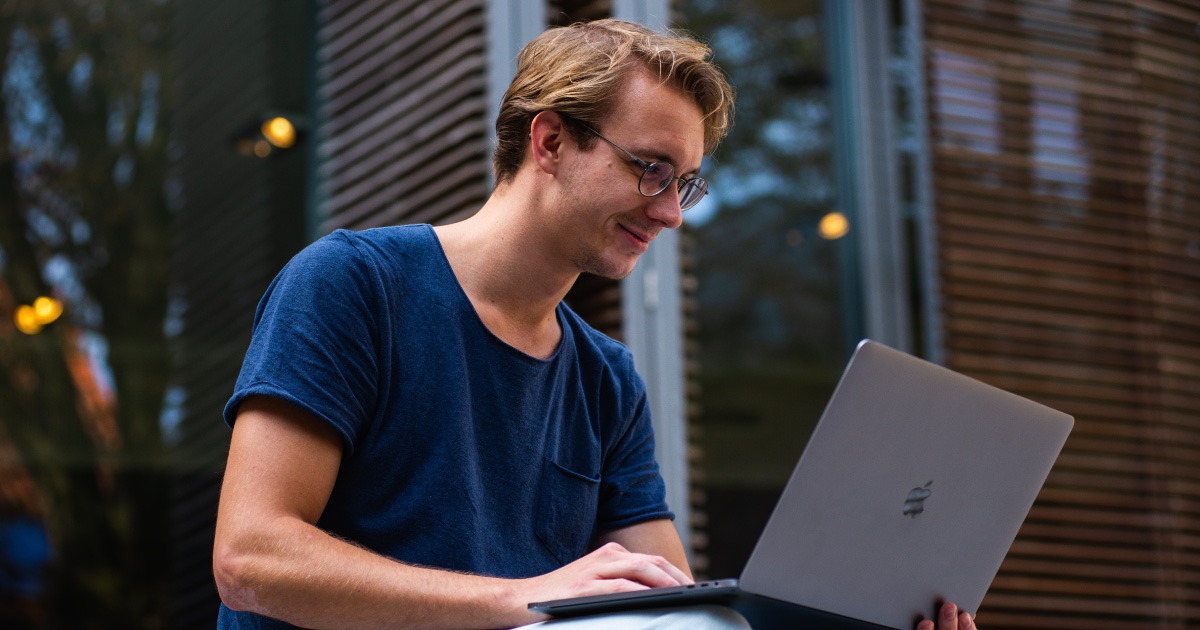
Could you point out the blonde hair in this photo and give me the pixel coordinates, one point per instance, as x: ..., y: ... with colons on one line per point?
x: 577, y: 71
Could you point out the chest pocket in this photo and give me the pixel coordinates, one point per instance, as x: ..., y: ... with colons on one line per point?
x: 566, y: 517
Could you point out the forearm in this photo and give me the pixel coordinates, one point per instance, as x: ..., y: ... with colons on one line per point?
x: 306, y: 577
x: 270, y: 559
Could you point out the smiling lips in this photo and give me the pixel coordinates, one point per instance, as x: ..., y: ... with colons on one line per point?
x: 637, y: 239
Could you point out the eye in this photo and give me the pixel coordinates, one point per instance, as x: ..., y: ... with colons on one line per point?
x: 659, y: 175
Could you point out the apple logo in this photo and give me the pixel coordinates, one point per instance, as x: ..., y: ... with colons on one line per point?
x: 915, y: 503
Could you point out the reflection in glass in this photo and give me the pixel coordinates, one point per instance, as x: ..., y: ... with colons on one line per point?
x: 84, y: 257
x: 770, y: 335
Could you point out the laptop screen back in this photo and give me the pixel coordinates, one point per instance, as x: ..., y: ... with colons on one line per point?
x: 910, y: 491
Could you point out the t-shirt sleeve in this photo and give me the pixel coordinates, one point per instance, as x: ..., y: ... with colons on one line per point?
x: 316, y: 340
x: 631, y: 488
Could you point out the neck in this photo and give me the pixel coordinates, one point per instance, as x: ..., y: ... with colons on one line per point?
x: 508, y: 269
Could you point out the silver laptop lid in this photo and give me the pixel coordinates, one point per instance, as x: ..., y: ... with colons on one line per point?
x: 910, y: 491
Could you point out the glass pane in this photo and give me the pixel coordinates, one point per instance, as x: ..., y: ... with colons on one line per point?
x: 768, y: 260
x: 150, y: 188
x: 85, y: 239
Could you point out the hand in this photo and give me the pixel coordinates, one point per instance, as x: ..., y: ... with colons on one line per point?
x: 949, y: 618
x: 609, y: 569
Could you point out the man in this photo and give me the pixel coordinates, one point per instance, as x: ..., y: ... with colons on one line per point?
x: 424, y: 436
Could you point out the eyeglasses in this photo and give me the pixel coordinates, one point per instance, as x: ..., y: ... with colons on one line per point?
x: 657, y: 176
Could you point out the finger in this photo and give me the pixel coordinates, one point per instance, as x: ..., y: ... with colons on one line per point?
x: 672, y: 570
x: 614, y: 549
x: 622, y: 586
x: 608, y: 587
x: 925, y: 625
x: 948, y: 617
x: 639, y: 569
x: 664, y: 565
x: 965, y: 622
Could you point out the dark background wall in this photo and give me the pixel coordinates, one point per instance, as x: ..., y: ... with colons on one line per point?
x: 242, y: 218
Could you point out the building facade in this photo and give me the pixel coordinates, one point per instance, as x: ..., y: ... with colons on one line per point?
x: 1006, y: 187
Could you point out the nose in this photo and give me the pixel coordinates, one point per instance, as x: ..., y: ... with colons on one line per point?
x: 664, y: 208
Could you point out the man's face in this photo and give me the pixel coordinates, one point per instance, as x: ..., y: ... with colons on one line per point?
x: 608, y: 222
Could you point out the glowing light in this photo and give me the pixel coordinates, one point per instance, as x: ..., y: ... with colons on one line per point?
x: 280, y: 132
x: 833, y: 226
x: 47, y: 310
x: 27, y: 320
x: 262, y: 149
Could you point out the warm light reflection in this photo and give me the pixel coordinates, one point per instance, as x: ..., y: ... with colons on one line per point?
x: 30, y: 319
x: 27, y: 320
x: 280, y: 132
x: 262, y: 149
x: 47, y: 310
x: 833, y: 226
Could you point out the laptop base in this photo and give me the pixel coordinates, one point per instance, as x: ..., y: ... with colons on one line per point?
x: 711, y: 592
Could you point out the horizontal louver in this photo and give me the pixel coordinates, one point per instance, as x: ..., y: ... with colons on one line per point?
x: 1065, y: 150
x: 403, y: 136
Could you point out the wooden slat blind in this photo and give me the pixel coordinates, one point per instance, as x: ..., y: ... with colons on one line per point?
x: 1066, y: 174
x: 403, y: 134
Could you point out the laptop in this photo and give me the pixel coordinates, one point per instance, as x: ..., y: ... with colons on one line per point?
x: 909, y: 493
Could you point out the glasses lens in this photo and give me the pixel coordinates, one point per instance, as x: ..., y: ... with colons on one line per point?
x: 691, y: 192
x: 656, y: 178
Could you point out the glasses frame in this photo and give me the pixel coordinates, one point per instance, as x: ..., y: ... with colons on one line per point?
x: 698, y: 182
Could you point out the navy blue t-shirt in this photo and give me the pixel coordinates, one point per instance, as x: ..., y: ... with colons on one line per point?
x: 459, y: 451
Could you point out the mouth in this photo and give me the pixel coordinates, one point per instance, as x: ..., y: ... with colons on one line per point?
x: 636, y: 235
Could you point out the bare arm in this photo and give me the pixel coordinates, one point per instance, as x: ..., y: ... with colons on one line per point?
x: 270, y: 558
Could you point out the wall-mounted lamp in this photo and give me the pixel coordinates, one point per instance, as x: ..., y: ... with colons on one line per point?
x: 833, y: 226
x: 830, y: 227
x: 30, y: 318
x: 269, y: 135
x: 280, y: 132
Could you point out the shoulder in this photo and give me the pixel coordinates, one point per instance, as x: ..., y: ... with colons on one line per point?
x: 395, y: 235
x: 380, y: 242
x: 331, y: 265
x: 341, y: 268
x: 364, y: 254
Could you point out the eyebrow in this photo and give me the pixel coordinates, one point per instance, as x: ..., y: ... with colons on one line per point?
x: 658, y: 156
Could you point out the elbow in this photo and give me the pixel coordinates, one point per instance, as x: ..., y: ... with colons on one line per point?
x: 232, y: 573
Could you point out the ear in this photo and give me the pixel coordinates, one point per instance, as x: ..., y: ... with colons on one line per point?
x: 547, y: 133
